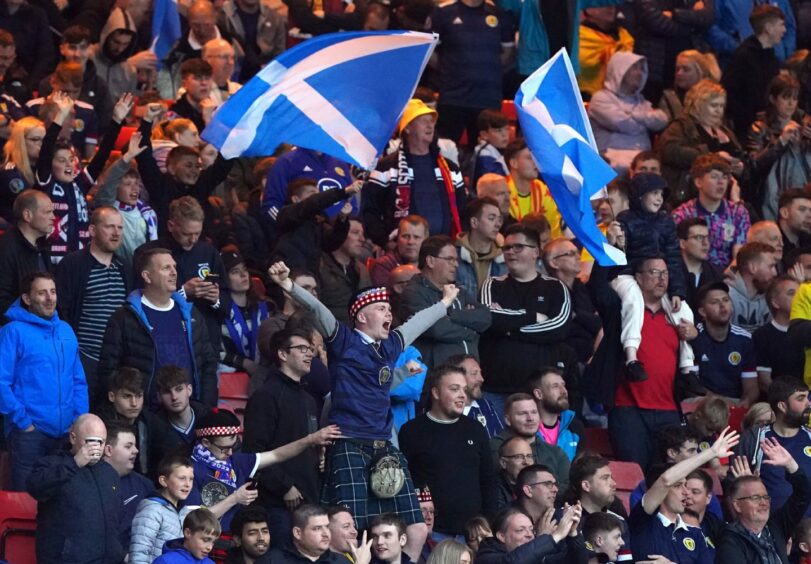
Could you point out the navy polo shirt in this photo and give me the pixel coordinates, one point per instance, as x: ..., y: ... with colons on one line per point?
x: 723, y: 364
x: 774, y: 478
x: 470, y: 42
x: 676, y: 541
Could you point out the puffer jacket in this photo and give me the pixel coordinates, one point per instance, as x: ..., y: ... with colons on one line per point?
x: 650, y: 234
x: 568, y: 439
x: 128, y: 342
x: 471, y: 266
x: 621, y: 121
x: 42, y: 382
x: 776, y: 167
x: 156, y: 522
x: 175, y: 553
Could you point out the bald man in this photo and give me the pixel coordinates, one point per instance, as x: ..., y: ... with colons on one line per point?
x: 79, y: 508
x: 220, y: 54
x: 562, y: 261
x: 495, y: 186
x: 767, y: 232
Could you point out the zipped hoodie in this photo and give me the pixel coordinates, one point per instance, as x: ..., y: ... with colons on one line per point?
x: 42, y: 382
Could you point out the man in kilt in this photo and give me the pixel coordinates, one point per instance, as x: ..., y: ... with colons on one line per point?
x: 364, y: 472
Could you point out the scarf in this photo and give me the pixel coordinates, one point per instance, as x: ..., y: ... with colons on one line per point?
x: 220, y: 469
x: 149, y: 215
x: 763, y: 544
x: 244, y: 334
x: 402, y: 202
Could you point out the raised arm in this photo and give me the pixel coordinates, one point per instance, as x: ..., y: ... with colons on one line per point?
x: 108, y: 184
x: 46, y: 153
x: 322, y: 437
x: 280, y: 274
x: 721, y: 448
x: 120, y: 112
x: 424, y: 319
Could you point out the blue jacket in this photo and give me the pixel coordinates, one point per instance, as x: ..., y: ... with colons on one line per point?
x: 533, y: 49
x: 567, y: 439
x: 175, y: 553
x: 41, y: 378
x: 732, y: 26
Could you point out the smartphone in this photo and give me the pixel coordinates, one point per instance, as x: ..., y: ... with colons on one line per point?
x: 253, y: 483
x: 212, y: 277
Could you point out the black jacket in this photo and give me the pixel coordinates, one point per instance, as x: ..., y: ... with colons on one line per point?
x: 163, y: 188
x: 71, y: 282
x: 78, y: 513
x: 540, y: 549
x: 737, y: 546
x: 18, y: 258
x: 128, y: 342
x: 709, y: 274
x: 748, y: 75
x: 300, y: 228
x: 33, y: 39
x: 280, y: 412
x: 289, y: 555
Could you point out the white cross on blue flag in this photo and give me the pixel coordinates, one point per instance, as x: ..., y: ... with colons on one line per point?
x: 558, y: 134
x: 340, y: 93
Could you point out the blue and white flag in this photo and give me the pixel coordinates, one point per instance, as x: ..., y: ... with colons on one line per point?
x: 558, y: 134
x: 340, y: 93
x: 165, y: 28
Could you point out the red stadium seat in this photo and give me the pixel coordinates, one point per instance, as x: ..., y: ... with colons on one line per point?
x: 124, y: 137
x: 627, y: 475
x: 736, y: 415
x: 233, y: 387
x: 597, y: 440
x: 508, y: 109
x: 18, y: 526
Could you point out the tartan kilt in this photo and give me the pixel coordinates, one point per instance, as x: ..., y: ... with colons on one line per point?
x: 346, y: 483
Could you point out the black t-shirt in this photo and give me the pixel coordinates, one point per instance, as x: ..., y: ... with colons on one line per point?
x: 249, y: 23
x: 775, y: 354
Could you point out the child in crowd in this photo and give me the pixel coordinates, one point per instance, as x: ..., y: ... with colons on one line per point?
x: 159, y: 517
x: 176, y: 407
x: 170, y: 134
x: 200, y: 530
x: 121, y: 187
x: 707, y: 421
x: 494, y: 135
x: 802, y: 540
x: 603, y: 535
x: 649, y: 231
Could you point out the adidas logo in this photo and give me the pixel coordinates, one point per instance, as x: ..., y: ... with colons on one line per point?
x: 457, y: 21
x: 705, y: 358
x: 307, y: 169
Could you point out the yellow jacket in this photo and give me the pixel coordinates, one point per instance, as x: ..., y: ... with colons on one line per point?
x: 541, y: 202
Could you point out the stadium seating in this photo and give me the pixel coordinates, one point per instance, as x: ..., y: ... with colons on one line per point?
x: 627, y: 475
x: 18, y: 525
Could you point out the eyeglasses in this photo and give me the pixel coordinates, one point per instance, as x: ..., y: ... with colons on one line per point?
x: 521, y: 457
x: 517, y: 247
x: 449, y: 260
x: 303, y: 349
x: 755, y: 498
x: 700, y: 238
x: 572, y: 253
x: 224, y: 449
x: 547, y: 484
x: 658, y: 272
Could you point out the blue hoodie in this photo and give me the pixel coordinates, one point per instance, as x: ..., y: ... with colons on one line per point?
x: 175, y: 553
x: 41, y: 378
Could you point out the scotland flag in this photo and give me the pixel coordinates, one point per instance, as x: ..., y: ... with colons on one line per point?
x: 559, y: 136
x: 165, y: 28
x: 340, y: 93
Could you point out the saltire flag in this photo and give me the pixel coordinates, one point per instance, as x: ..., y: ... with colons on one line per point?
x: 558, y: 134
x: 165, y: 28
x: 340, y: 93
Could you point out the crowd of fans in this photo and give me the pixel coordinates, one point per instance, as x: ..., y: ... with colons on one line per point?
x: 426, y: 342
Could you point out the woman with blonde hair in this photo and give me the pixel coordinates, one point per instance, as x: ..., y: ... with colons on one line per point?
x: 699, y: 130
x: 21, y: 153
x: 450, y: 551
x: 174, y: 133
x: 691, y: 66
x: 759, y: 414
